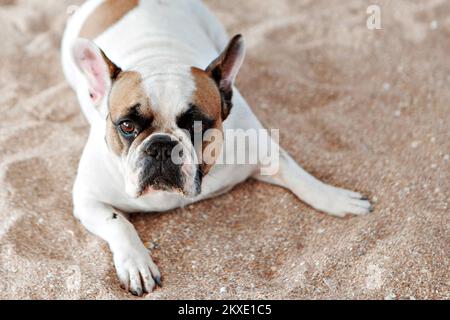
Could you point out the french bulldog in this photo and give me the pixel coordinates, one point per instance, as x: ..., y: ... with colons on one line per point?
x: 149, y: 76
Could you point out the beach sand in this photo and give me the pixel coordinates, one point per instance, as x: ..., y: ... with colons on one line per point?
x: 361, y: 109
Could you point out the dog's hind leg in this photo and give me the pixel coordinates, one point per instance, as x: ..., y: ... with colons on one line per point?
x: 323, y: 197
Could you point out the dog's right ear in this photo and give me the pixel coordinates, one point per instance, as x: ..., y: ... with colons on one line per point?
x: 225, y: 68
x: 99, y: 71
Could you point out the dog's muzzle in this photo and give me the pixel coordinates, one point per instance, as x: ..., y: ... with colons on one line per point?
x: 160, y: 171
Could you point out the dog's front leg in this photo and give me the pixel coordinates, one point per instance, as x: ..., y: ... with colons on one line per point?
x: 135, y: 268
x: 323, y: 197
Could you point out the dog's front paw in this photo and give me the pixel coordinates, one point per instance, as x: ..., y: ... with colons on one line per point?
x: 340, y: 202
x: 136, y: 270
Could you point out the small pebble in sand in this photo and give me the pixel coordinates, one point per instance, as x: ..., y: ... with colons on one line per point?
x: 398, y: 113
x: 223, y: 290
x: 386, y: 86
x: 151, y: 245
x: 434, y: 25
x: 447, y: 157
x: 390, y: 296
x: 433, y: 166
x: 415, y: 144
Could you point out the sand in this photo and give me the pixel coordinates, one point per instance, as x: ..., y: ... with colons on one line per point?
x: 361, y: 109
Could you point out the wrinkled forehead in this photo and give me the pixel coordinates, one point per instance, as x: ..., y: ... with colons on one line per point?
x: 169, y: 89
x: 164, y: 94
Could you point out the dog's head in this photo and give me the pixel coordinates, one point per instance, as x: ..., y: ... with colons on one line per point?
x: 155, y: 115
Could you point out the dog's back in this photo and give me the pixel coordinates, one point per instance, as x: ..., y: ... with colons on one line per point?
x: 145, y: 34
x: 123, y: 28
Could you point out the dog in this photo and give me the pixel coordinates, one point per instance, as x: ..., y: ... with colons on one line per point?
x: 146, y: 73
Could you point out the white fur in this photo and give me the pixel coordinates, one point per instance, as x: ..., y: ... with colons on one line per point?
x: 191, y: 36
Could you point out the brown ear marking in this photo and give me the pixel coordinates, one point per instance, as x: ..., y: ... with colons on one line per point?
x: 224, y: 69
x: 106, y: 15
x: 114, y: 70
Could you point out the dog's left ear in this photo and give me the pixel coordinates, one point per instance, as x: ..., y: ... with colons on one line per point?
x: 224, y: 71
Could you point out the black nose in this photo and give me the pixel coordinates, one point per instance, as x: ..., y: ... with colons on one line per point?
x: 160, y: 148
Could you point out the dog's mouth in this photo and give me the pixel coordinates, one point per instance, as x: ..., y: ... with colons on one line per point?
x: 159, y: 184
x: 175, y: 184
x: 172, y: 182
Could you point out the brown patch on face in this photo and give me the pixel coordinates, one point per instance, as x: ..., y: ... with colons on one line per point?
x: 106, y: 15
x: 127, y: 91
x: 207, y: 94
x: 127, y: 96
x: 207, y: 97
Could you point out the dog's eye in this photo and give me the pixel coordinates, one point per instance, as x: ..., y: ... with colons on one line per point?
x: 128, y: 128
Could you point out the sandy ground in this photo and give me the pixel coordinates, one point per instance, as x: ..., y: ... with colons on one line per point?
x: 366, y: 110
